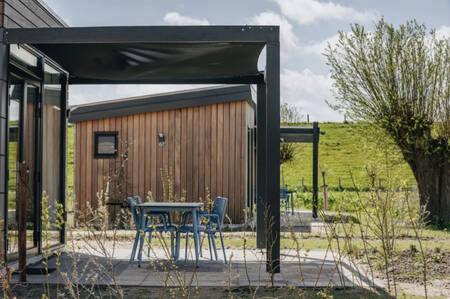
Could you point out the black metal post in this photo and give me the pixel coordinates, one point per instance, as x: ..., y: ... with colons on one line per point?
x: 62, y: 183
x: 273, y: 155
x: 261, y: 172
x: 316, y: 132
x: 4, y: 59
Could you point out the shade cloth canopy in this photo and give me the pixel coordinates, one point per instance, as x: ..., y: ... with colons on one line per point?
x: 109, y: 63
x: 154, y: 54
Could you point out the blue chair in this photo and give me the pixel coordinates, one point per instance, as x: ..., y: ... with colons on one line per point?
x: 166, y: 226
x: 287, y: 199
x: 187, y: 229
x: 146, y: 229
x: 214, y: 225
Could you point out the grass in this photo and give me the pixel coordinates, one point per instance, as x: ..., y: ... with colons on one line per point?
x: 343, y: 148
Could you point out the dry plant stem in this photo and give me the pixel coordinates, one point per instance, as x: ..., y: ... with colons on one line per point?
x: 416, y: 225
x: 246, y: 268
x: 298, y: 255
x: 361, y: 231
x: 230, y: 276
x: 331, y: 234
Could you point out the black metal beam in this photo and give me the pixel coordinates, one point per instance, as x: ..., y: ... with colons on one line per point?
x: 273, y: 155
x: 250, y: 79
x: 316, y: 132
x: 261, y: 168
x: 302, y: 138
x: 142, y: 34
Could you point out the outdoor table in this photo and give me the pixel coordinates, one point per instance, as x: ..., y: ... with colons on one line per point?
x: 192, y: 207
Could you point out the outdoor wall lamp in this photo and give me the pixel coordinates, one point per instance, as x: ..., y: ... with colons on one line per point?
x: 161, y: 139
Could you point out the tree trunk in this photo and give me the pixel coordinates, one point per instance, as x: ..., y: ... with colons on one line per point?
x: 432, y: 174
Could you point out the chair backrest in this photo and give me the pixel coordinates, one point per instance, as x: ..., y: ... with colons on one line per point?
x: 283, y: 192
x: 133, y: 208
x: 219, y: 208
x: 138, y: 199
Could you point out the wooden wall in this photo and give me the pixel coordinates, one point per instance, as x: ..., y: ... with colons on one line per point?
x: 205, y: 152
x: 27, y: 14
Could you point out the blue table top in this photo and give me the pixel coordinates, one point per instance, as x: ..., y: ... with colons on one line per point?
x: 171, y: 205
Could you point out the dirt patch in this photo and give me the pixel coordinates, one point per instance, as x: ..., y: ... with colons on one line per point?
x: 409, y: 266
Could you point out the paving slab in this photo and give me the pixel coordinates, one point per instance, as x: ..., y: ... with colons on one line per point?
x: 315, y: 269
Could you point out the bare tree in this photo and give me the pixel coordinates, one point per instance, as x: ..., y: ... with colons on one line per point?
x: 398, y: 79
x: 290, y: 114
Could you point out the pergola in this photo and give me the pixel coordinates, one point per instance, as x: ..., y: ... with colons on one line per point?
x: 183, y: 55
x: 306, y: 135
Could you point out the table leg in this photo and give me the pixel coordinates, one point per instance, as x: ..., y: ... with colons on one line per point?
x: 141, y: 239
x: 195, y: 227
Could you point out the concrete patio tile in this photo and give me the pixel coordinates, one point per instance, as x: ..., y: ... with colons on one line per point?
x: 317, y: 268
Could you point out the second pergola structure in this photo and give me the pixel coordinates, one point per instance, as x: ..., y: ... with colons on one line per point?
x: 183, y: 55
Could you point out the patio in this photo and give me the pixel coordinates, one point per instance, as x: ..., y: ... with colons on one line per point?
x: 316, y: 269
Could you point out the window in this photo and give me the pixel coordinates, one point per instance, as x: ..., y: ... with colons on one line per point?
x: 105, y: 144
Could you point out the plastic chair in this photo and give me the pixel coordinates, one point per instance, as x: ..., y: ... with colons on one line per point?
x: 147, y: 229
x: 287, y: 199
x: 215, y: 224
x: 166, y: 226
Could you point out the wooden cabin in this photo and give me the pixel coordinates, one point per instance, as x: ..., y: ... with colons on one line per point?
x: 198, y: 143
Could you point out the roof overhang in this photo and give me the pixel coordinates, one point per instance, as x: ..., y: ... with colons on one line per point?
x: 153, y: 54
x: 161, y: 102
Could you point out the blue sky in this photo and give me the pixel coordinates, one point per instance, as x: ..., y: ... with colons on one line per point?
x: 306, y: 27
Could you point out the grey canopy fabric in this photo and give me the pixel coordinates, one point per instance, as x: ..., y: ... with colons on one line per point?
x: 156, y: 62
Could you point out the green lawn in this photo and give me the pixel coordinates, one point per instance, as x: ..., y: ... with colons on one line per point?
x: 343, y: 149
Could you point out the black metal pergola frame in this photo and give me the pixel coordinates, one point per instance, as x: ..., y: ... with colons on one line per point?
x: 306, y: 135
x: 268, y: 95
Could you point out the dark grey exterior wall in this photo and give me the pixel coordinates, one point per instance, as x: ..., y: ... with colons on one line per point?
x: 28, y: 14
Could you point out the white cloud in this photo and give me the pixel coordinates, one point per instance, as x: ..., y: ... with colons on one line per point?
x: 309, y: 11
x: 443, y: 32
x: 318, y: 47
x: 288, y: 39
x: 174, y: 18
x: 309, y: 91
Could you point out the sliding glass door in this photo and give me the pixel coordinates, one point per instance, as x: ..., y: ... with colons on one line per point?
x: 21, y: 150
x: 37, y: 96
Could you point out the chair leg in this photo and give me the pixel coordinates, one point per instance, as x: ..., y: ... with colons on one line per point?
x: 209, y: 245
x: 214, y: 245
x: 135, y: 244
x: 201, y: 242
x: 141, y: 245
x: 172, y: 254
x: 149, y: 243
x: 177, y: 245
x: 292, y: 203
x: 223, y: 247
x: 186, y: 248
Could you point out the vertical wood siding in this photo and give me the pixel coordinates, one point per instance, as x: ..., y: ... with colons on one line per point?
x: 205, y: 154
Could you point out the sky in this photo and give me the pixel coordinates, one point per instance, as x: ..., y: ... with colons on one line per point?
x: 306, y: 27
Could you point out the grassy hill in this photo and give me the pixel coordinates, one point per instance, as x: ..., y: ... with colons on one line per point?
x: 345, y: 149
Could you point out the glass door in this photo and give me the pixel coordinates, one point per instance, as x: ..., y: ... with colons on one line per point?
x: 21, y: 149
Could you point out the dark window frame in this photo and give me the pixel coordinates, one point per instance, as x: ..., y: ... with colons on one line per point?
x: 98, y: 134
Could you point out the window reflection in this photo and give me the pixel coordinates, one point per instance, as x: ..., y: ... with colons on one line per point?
x: 23, y: 55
